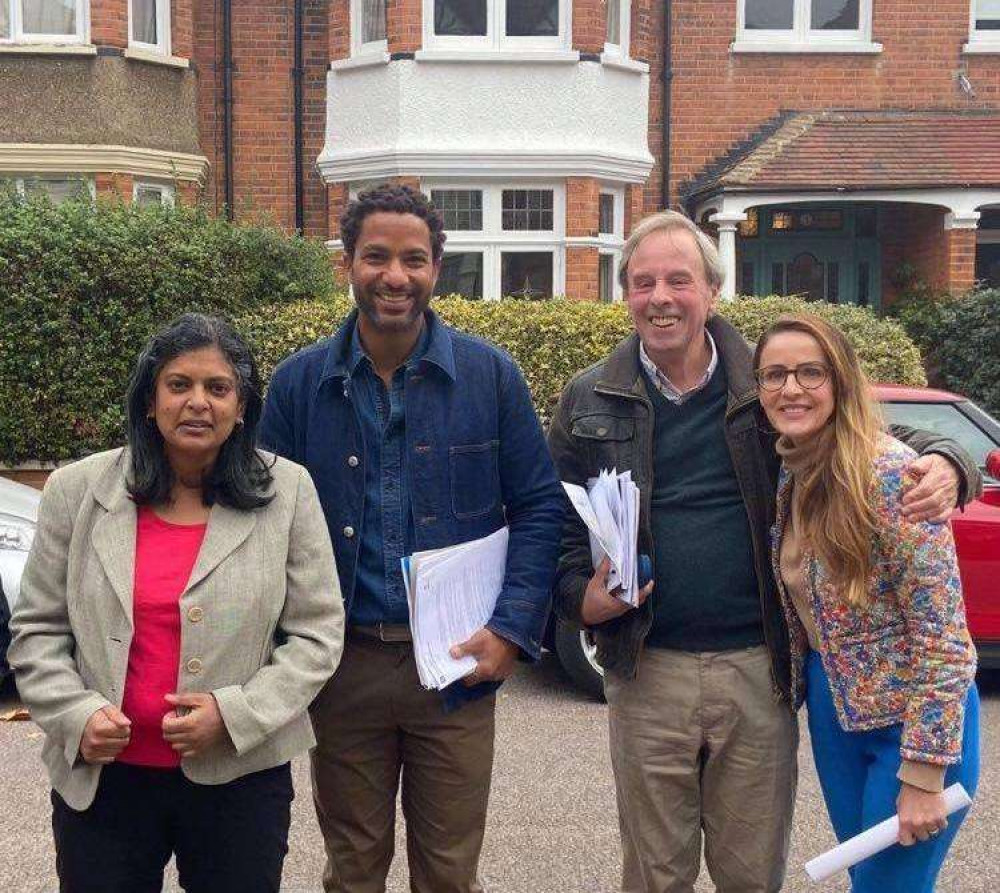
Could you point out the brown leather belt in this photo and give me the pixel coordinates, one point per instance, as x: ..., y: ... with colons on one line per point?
x: 392, y: 633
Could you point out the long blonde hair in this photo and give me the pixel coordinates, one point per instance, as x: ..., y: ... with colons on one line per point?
x: 836, y: 496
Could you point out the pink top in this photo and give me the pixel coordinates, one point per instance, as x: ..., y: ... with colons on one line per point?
x: 165, y: 554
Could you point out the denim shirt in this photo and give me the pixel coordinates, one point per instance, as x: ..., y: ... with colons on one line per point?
x: 475, y: 459
x: 387, y: 530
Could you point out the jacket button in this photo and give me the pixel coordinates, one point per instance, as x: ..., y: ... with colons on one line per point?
x: 195, y: 613
x: 194, y: 666
x: 352, y: 461
x: 601, y: 432
x: 348, y: 531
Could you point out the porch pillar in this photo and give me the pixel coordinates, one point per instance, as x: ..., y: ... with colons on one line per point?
x: 728, y: 221
x: 960, y: 245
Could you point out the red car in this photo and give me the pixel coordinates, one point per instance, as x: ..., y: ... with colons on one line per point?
x: 977, y: 527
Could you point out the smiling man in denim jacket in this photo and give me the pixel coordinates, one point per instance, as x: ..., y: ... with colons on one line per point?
x: 417, y: 437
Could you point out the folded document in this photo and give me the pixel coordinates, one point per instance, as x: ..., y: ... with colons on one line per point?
x: 452, y: 593
x: 609, y: 506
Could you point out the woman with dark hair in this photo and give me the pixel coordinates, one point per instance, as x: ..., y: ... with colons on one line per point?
x: 881, y: 653
x: 179, y: 611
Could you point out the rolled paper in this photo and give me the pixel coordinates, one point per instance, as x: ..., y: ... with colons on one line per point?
x: 877, y: 838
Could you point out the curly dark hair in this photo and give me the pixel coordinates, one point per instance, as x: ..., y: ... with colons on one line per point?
x: 397, y: 200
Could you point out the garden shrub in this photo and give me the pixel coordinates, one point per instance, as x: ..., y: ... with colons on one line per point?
x: 83, y: 285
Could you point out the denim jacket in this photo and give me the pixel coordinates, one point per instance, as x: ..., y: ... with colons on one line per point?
x: 476, y: 460
x: 906, y: 656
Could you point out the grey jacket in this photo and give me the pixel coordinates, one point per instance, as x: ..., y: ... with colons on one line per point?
x: 605, y: 420
x: 269, y: 633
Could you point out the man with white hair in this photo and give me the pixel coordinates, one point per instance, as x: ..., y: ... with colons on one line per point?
x: 697, y: 677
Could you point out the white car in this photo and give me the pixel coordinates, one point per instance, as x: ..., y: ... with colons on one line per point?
x: 18, y: 515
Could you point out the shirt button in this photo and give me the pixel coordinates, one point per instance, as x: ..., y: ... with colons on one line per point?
x: 195, y: 614
x: 348, y: 531
x: 352, y: 461
x: 194, y: 666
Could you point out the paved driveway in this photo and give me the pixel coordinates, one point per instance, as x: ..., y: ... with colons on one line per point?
x: 552, y: 825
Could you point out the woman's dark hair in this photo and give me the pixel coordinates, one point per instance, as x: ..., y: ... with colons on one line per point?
x: 395, y: 200
x: 239, y: 476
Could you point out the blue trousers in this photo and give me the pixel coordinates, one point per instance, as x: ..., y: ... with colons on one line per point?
x: 857, y: 772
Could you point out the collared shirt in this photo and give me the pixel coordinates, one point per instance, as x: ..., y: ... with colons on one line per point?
x: 665, y: 386
x: 387, y: 529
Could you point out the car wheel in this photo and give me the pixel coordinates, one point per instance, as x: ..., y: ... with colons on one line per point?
x: 578, y: 656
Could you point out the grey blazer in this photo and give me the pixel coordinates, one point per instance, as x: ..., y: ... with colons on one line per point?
x: 262, y: 621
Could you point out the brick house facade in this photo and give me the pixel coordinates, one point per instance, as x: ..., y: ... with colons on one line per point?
x: 537, y: 125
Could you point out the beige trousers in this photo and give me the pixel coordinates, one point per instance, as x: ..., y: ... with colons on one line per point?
x: 375, y: 723
x: 700, y: 745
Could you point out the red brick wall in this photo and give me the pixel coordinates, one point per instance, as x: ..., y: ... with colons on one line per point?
x: 404, y: 25
x: 109, y: 23
x: 647, y: 46
x: 912, y: 236
x: 721, y: 98
x: 339, y: 14
x: 961, y: 266
x: 582, y: 200
x: 114, y: 186
x: 182, y: 28
x: 589, y: 25
x: 206, y: 43
x: 581, y: 274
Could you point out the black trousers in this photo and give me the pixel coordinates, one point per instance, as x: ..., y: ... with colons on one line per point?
x: 229, y: 838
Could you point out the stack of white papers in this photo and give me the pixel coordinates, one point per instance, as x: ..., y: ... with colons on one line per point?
x: 452, y: 593
x: 610, y: 509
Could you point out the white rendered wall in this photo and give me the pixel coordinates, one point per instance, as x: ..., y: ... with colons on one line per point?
x: 427, y: 117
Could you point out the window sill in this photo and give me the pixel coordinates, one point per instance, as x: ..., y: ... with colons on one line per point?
x: 612, y: 60
x: 362, y: 60
x: 860, y: 47
x: 498, y: 56
x: 48, y: 49
x: 140, y: 55
x: 981, y: 48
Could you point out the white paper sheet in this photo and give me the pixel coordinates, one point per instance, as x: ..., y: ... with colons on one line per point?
x: 874, y: 840
x: 452, y: 593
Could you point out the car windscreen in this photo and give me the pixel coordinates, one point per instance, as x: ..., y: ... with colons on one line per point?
x: 946, y: 419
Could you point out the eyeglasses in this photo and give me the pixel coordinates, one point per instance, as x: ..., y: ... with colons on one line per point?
x: 809, y: 376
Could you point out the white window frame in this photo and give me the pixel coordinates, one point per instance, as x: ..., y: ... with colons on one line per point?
x: 162, y: 47
x: 360, y: 47
x: 20, y: 182
x: 611, y: 244
x: 980, y: 41
x: 621, y: 49
x: 801, y: 38
x: 495, y: 40
x: 168, y: 195
x: 492, y: 240
x: 17, y: 35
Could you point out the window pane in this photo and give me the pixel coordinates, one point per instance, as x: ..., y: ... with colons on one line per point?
x: 527, y: 209
x: 461, y: 274
x: 866, y: 223
x: 988, y: 265
x: 777, y: 279
x: 805, y: 277
x: 372, y: 20
x: 146, y: 196
x: 834, y: 15
x: 462, y: 209
x: 988, y: 15
x: 532, y: 18
x: 745, y: 284
x: 49, y: 16
x: 772, y: 15
x: 832, y: 282
x: 460, y: 18
x: 144, y: 21
x: 749, y: 228
x: 526, y: 274
x: 613, y: 34
x: 606, y: 214
x: 4, y: 20
x: 606, y: 278
x: 942, y: 418
x: 58, y: 191
x: 863, y: 289
x: 786, y: 221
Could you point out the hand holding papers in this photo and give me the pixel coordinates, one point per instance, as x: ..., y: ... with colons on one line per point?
x: 452, y: 593
x: 874, y: 840
x: 610, y: 509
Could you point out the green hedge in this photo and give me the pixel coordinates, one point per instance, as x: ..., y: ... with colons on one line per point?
x: 551, y: 340
x: 83, y: 285
x: 960, y: 337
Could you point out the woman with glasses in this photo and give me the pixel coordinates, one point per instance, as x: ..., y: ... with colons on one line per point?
x: 881, y: 651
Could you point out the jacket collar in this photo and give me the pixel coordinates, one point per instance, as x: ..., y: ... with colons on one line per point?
x: 622, y: 371
x: 440, y: 350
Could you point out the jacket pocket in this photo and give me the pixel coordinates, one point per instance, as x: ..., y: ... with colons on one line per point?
x: 875, y: 673
x: 608, y: 439
x: 475, y: 479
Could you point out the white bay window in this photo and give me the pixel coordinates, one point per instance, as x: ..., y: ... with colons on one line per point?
x: 42, y: 21
x: 496, y: 24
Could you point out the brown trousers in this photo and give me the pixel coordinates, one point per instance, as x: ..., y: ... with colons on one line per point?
x: 374, y: 722
x: 700, y: 745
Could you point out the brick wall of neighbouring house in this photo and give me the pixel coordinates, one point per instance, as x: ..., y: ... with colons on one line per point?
x: 721, y: 98
x: 182, y: 28
x: 263, y: 109
x: 646, y: 45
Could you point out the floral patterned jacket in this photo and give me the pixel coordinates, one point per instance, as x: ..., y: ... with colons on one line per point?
x: 906, y: 657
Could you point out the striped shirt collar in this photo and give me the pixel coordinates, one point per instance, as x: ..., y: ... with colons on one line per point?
x: 665, y: 386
